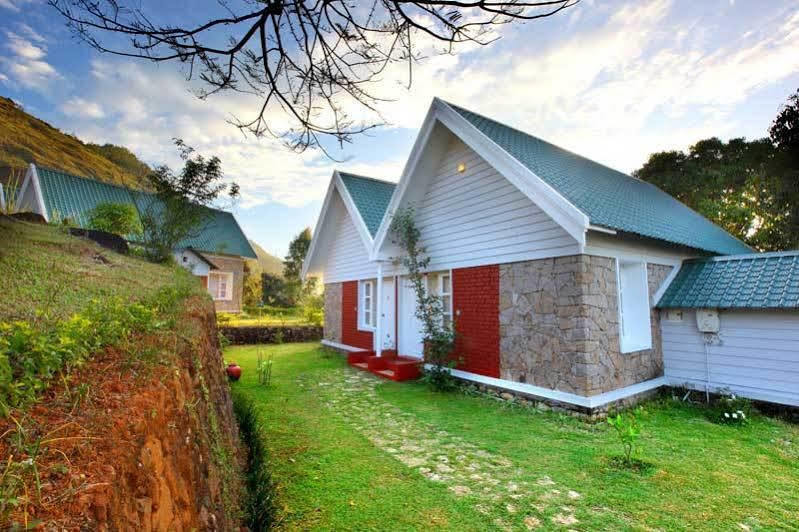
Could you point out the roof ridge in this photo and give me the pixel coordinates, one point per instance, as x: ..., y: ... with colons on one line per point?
x: 748, y: 256
x: 359, y: 176
x: 628, y: 176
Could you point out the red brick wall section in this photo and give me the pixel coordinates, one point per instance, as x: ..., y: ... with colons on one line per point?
x: 476, y: 295
x: 350, y: 335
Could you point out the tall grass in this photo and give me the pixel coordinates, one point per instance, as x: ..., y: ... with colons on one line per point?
x: 261, y: 505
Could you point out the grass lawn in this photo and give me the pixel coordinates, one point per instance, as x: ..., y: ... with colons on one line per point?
x: 267, y: 316
x: 352, y: 452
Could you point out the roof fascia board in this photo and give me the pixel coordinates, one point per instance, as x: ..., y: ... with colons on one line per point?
x: 318, y: 229
x: 355, y: 214
x: 37, y: 189
x: 572, y: 219
x: 665, y: 285
x: 399, y: 192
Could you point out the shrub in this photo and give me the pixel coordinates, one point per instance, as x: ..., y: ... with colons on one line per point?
x: 628, y: 432
x: 313, y: 309
x: 118, y: 218
x: 30, y: 356
x: 260, y: 506
x: 729, y: 409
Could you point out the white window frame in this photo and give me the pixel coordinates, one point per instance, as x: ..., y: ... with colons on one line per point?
x: 634, y: 307
x: 447, y: 310
x: 366, y: 305
x: 228, y: 295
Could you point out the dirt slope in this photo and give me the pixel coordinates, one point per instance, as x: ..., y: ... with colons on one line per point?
x: 139, y: 438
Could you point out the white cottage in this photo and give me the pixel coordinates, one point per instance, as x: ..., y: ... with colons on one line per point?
x: 549, y: 264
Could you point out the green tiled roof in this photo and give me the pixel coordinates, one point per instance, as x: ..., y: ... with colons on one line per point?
x: 371, y: 197
x: 69, y: 196
x: 757, y: 280
x: 608, y: 197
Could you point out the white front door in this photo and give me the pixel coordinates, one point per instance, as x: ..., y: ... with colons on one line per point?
x: 410, y: 328
x: 388, y: 321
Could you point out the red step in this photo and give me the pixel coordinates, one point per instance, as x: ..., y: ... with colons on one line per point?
x: 358, y: 356
x: 405, y: 368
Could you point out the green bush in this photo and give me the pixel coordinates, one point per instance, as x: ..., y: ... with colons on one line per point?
x: 118, y: 218
x: 628, y: 431
x: 30, y: 356
x: 261, y: 505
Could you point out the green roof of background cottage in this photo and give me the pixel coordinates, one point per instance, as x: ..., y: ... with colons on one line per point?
x: 371, y: 197
x: 69, y: 196
x: 608, y: 197
x: 756, y: 280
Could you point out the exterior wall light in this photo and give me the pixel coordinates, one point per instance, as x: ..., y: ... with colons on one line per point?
x: 461, y: 167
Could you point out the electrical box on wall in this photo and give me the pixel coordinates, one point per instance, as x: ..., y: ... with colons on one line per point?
x: 707, y: 320
x: 674, y: 315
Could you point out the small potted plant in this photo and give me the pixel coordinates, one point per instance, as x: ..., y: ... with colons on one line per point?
x: 233, y: 371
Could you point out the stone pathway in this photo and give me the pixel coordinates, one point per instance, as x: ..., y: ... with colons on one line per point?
x: 519, y: 499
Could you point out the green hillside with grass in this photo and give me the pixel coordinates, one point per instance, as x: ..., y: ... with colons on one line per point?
x: 25, y: 139
x: 266, y: 262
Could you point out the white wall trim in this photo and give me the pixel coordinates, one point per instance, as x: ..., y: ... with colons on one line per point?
x: 665, y: 284
x: 336, y: 184
x: 592, y: 401
x: 318, y: 229
x: 355, y: 214
x: 399, y: 192
x: 342, y: 347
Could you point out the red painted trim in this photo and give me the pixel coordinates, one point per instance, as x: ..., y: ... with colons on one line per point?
x: 350, y: 335
x: 396, y: 313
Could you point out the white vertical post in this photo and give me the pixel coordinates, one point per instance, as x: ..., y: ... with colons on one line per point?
x: 379, y: 324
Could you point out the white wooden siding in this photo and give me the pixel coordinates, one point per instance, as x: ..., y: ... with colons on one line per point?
x: 758, y: 356
x: 348, y: 258
x: 478, y: 217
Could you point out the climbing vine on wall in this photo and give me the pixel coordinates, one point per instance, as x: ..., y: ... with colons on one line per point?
x: 438, y: 335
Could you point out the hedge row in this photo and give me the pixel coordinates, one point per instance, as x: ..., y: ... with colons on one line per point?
x: 270, y: 334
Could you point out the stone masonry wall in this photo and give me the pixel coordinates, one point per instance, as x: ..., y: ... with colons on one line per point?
x: 559, y: 326
x: 332, y: 330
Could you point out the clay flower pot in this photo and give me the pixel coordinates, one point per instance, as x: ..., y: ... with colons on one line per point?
x: 233, y: 371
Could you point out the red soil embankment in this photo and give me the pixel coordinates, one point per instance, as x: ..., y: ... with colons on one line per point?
x: 132, y: 444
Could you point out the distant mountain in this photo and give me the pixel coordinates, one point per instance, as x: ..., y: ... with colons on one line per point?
x: 25, y: 139
x: 266, y: 263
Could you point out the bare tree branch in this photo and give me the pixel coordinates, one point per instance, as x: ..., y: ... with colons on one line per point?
x: 308, y: 61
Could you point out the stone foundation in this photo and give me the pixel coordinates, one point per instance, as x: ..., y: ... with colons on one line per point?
x: 559, y: 326
x: 332, y: 331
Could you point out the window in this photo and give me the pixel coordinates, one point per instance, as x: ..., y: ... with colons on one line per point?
x: 635, y: 331
x: 220, y: 285
x: 367, y: 307
x: 445, y: 292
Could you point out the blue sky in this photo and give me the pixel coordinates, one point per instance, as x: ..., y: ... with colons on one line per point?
x: 613, y: 81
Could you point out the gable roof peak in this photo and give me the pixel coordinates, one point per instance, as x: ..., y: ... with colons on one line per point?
x: 609, y: 198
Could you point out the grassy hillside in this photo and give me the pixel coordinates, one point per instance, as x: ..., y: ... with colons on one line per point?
x: 53, y: 275
x: 266, y: 263
x: 25, y: 139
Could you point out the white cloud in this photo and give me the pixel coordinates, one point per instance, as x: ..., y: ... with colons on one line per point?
x: 614, y: 88
x: 598, y: 91
x: 14, y: 5
x: 82, y: 108
x: 26, y: 64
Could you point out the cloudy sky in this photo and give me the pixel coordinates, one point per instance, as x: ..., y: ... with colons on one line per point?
x: 613, y: 81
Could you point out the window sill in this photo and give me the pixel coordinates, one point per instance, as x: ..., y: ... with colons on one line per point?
x: 626, y: 350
